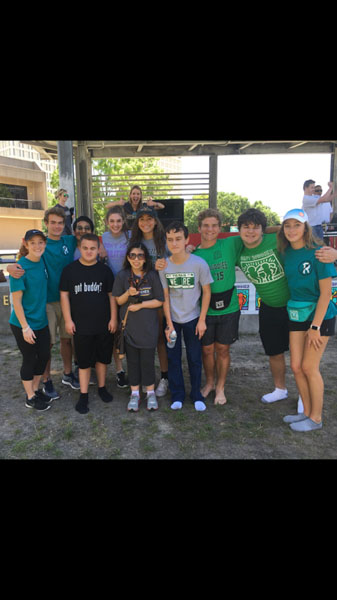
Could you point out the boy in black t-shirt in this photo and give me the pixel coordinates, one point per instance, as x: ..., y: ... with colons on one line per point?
x: 90, y: 314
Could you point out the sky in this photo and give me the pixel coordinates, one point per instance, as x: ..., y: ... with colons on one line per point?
x: 275, y: 179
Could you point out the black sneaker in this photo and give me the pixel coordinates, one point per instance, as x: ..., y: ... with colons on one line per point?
x: 40, y: 394
x: 122, y: 380
x: 37, y: 403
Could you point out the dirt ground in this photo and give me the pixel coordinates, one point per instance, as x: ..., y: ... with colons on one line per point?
x: 244, y: 428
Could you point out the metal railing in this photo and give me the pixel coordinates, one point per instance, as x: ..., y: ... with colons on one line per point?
x: 20, y: 203
x: 157, y: 185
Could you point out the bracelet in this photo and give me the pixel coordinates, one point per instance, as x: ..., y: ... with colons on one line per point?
x: 25, y: 330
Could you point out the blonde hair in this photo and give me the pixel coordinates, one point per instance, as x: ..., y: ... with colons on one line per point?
x: 309, y: 238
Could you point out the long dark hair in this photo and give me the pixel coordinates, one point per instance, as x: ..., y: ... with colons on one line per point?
x: 158, y: 235
x: 147, y: 266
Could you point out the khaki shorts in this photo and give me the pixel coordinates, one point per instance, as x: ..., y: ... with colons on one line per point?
x: 56, y: 321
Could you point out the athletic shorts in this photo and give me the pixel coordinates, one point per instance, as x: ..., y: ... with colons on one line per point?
x: 327, y: 327
x: 93, y: 348
x: 56, y: 321
x: 274, y: 329
x: 223, y: 329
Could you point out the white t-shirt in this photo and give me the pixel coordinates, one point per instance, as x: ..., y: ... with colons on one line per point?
x: 312, y: 210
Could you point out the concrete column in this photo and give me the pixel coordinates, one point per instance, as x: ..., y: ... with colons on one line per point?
x: 84, y: 203
x: 213, y: 181
x: 66, y: 170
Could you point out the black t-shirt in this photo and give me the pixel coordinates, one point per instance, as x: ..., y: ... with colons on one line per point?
x: 141, y: 328
x: 88, y: 288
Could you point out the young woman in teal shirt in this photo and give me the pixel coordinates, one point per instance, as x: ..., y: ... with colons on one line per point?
x: 311, y: 314
x: 28, y: 320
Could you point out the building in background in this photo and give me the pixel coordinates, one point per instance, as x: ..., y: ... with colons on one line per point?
x: 15, y: 149
x: 23, y: 199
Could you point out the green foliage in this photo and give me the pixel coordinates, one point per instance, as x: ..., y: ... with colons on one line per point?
x: 230, y: 206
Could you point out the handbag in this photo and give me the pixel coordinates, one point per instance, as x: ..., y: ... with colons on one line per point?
x: 119, y: 341
x: 221, y: 300
x: 301, y: 311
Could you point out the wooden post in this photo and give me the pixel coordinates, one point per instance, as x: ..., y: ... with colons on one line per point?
x: 84, y: 203
x: 333, y: 176
x: 213, y: 181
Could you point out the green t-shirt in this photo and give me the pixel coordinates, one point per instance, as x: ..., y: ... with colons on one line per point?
x: 303, y: 272
x: 34, y: 293
x: 221, y: 259
x: 57, y: 255
x: 263, y: 267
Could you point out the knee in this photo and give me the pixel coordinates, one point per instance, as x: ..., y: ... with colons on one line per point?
x: 208, y: 350
x: 222, y: 350
x: 296, y: 368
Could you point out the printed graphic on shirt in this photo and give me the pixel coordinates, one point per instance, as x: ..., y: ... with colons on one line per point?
x: 88, y: 287
x: 180, y: 280
x: 305, y: 267
x: 263, y: 268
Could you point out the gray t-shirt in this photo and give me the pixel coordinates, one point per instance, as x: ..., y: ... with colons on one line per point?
x: 185, y: 283
x: 116, y: 250
x: 150, y: 245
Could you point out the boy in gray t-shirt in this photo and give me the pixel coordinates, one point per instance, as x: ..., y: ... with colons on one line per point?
x: 184, y: 279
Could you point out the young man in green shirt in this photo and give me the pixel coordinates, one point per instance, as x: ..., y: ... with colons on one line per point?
x: 261, y: 264
x: 223, y: 315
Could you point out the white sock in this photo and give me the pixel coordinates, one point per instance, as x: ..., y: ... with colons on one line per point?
x: 176, y: 405
x: 135, y: 392
x: 300, y: 407
x: 277, y: 394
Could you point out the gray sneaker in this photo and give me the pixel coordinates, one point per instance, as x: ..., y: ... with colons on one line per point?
x: 152, y: 403
x: 49, y: 390
x: 134, y: 402
x: 71, y: 380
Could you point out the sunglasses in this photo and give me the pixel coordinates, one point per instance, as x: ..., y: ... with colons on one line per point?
x: 66, y: 195
x: 79, y: 228
x: 134, y: 256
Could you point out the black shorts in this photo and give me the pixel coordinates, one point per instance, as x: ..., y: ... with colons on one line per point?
x: 327, y: 327
x: 93, y: 348
x: 274, y: 329
x: 223, y: 329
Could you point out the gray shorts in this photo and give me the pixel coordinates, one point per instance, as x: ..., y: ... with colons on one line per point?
x: 223, y: 329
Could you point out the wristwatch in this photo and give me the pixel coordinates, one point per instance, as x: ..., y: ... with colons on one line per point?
x: 315, y: 327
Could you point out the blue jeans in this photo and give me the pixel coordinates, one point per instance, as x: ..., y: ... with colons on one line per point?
x: 193, y: 353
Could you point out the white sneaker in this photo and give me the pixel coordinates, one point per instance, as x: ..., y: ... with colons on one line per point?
x: 277, y: 394
x: 162, y: 388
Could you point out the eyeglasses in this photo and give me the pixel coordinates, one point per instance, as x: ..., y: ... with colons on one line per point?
x: 79, y: 228
x: 66, y: 195
x: 134, y: 256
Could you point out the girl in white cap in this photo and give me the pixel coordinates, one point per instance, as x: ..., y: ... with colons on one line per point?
x: 311, y: 314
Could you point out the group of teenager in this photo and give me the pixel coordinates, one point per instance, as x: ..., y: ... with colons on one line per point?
x: 155, y: 283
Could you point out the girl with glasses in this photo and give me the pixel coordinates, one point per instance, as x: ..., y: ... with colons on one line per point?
x: 138, y: 290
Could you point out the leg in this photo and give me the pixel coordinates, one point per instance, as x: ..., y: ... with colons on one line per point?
x: 278, y: 370
x: 161, y: 346
x: 222, y: 367
x: 84, y: 375
x: 208, y: 360
x: 193, y: 353
x: 310, y: 367
x: 297, y: 342
x: 175, y: 371
x: 66, y: 350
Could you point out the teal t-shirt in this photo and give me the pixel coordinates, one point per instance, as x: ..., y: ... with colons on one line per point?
x: 303, y: 272
x: 263, y: 267
x: 57, y: 255
x: 221, y: 259
x: 34, y: 297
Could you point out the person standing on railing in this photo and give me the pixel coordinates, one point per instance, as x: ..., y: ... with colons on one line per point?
x: 134, y: 203
x: 62, y: 196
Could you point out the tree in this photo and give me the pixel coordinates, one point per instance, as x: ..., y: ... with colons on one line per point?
x: 230, y: 206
